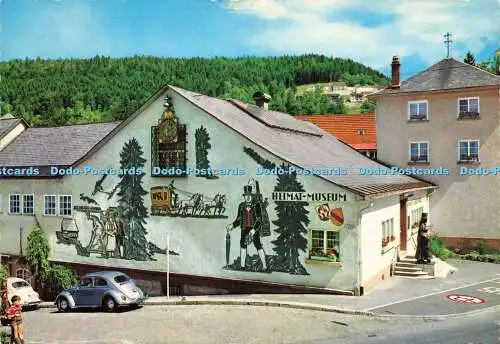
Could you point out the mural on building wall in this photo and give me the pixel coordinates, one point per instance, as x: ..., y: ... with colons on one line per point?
x: 203, y: 145
x: 123, y: 223
x: 252, y: 219
x: 174, y: 202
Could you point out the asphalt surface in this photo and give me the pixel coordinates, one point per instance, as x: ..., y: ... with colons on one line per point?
x: 455, y: 301
x: 203, y: 325
x: 479, y: 329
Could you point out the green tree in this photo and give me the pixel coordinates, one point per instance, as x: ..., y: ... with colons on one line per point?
x: 59, y: 278
x: 131, y: 207
x: 291, y: 225
x: 37, y: 254
x: 202, y: 146
x: 367, y: 106
x: 470, y: 59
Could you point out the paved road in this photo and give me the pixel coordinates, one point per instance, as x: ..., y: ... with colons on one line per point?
x: 483, y: 329
x: 460, y: 300
x: 202, y: 325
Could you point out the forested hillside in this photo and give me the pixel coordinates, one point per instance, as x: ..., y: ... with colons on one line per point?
x: 57, y: 92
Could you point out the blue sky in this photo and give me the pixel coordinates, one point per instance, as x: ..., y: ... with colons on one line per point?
x: 367, y: 31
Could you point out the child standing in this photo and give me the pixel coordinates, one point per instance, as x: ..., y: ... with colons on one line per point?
x: 16, y: 320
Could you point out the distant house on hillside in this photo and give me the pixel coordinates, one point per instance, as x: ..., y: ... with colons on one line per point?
x: 357, y: 130
x: 352, y: 94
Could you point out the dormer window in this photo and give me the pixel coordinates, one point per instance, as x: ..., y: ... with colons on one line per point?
x: 468, y: 107
x: 361, y: 132
x: 419, y: 152
x: 468, y: 151
x: 418, y: 110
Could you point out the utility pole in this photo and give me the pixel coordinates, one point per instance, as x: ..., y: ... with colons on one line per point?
x: 448, y: 41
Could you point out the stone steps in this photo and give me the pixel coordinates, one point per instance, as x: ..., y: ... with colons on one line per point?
x: 408, y: 267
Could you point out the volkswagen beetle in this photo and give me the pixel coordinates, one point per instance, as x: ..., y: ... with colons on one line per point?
x: 21, y: 288
x: 108, y: 290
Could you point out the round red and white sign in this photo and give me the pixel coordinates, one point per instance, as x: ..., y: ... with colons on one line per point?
x: 459, y: 298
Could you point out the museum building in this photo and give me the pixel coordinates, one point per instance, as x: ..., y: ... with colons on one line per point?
x: 227, y: 197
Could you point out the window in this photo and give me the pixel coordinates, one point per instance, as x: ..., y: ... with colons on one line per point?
x: 169, y: 155
x: 419, y: 151
x: 64, y: 205
x: 49, y: 205
x: 122, y: 279
x: 388, y: 232
x: 417, y: 111
x: 28, y: 204
x: 86, y: 282
x: 468, y: 107
x: 468, y: 151
x: 14, y: 204
x: 24, y: 274
x: 361, y: 132
x: 325, y: 245
x: 100, y: 282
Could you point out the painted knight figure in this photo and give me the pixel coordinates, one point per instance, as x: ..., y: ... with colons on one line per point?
x: 249, y: 219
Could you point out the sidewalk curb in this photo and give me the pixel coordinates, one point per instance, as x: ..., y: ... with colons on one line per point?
x: 302, y: 306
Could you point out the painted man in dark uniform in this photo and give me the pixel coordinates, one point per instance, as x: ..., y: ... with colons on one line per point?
x: 249, y: 219
x: 422, y: 253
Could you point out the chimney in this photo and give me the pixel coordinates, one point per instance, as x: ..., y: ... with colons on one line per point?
x: 261, y: 99
x: 395, y: 72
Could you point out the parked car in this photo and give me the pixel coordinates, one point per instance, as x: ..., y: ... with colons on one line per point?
x: 108, y: 290
x: 21, y: 288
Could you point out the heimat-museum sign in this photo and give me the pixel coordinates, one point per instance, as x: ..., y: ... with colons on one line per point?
x: 308, y: 197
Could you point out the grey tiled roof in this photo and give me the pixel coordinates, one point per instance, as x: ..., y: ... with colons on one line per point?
x: 447, y: 74
x: 303, y: 150
x: 54, y: 146
x: 7, y: 124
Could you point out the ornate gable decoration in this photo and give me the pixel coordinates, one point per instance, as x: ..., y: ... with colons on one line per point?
x: 167, y: 124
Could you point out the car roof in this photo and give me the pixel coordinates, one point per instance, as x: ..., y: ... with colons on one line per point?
x: 15, y: 279
x: 105, y: 274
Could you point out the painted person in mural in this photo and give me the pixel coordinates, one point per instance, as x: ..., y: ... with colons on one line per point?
x: 422, y: 253
x: 249, y: 219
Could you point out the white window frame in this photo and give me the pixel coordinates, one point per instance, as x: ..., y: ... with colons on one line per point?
x: 19, y: 204
x: 426, y: 102
x: 45, y: 205
x: 24, y: 274
x: 419, y: 142
x: 33, y: 206
x: 388, y: 230
x: 70, y: 208
x: 325, y: 242
x: 468, y: 149
x: 468, y: 105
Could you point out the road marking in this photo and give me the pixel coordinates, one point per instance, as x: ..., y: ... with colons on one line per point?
x: 84, y: 341
x: 431, y: 294
x: 470, y: 300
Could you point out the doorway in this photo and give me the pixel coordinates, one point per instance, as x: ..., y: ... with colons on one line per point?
x: 402, y: 225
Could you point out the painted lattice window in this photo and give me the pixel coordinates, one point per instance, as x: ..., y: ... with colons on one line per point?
x: 15, y: 204
x: 325, y: 245
x: 49, y: 205
x: 28, y: 204
x: 169, y: 155
x: 65, y: 205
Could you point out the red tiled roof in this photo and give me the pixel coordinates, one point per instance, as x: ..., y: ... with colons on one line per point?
x: 346, y: 128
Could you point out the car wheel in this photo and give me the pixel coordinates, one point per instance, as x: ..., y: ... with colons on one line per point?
x: 63, y: 304
x: 109, y: 304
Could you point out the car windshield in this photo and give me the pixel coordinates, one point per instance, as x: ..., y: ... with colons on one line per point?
x: 20, y: 284
x: 122, y: 279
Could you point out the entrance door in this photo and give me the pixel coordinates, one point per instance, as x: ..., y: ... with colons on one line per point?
x: 402, y: 225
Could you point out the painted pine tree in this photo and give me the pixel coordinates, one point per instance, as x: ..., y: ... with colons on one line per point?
x: 291, y: 226
x: 130, y: 205
x: 202, y: 144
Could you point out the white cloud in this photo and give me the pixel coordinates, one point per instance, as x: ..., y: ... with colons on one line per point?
x: 417, y: 28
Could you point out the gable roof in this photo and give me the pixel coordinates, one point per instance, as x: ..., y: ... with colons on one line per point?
x: 304, y: 150
x: 447, y: 74
x: 54, y: 146
x: 346, y: 128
